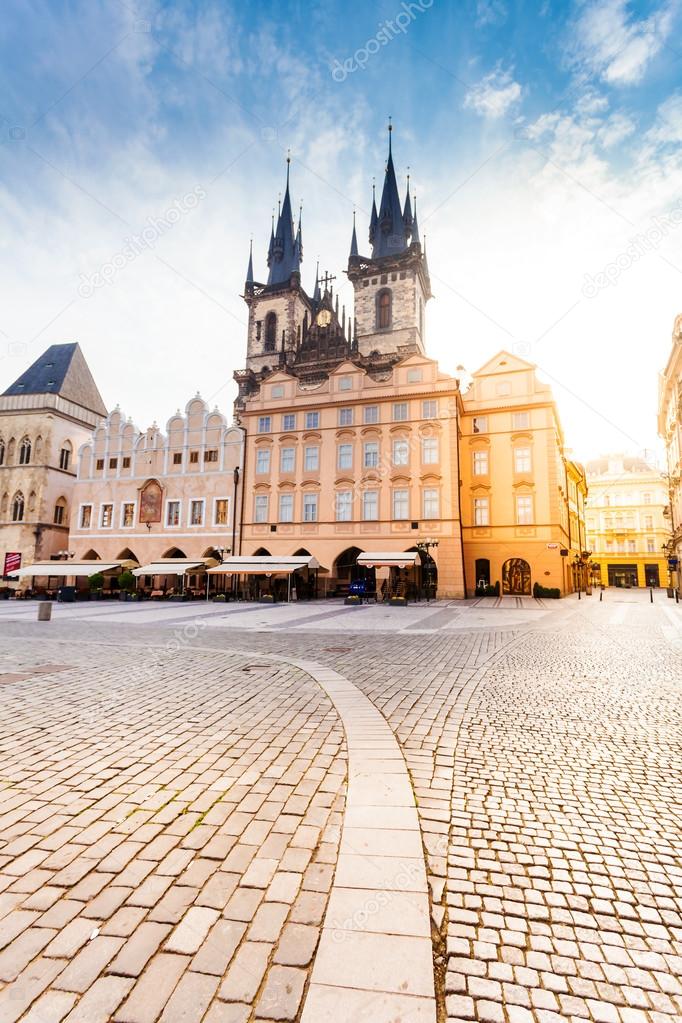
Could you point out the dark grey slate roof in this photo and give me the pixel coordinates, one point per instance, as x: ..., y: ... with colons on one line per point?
x: 62, y: 370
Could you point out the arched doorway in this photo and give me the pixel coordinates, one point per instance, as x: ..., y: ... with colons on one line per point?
x: 304, y: 579
x: 345, y: 567
x: 482, y: 572
x: 91, y: 555
x: 516, y: 577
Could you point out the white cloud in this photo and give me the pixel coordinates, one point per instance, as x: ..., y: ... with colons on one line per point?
x: 667, y: 127
x: 615, y: 46
x: 615, y: 129
x: 494, y: 94
x: 490, y: 12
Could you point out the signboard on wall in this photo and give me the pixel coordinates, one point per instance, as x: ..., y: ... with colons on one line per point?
x: 12, y: 562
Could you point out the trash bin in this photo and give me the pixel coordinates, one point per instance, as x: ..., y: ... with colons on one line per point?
x: 45, y: 611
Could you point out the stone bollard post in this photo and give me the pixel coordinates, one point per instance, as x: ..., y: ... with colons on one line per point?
x: 45, y: 611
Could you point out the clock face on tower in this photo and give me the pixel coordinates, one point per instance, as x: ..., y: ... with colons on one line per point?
x: 324, y: 318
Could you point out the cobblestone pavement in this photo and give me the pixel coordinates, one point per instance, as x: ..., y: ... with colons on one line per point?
x: 170, y: 834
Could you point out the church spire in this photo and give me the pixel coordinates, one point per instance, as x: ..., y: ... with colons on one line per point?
x: 391, y: 236
x: 407, y: 211
x: 285, y: 254
x: 415, y: 225
x: 354, y: 240
x: 374, y: 219
x: 249, y: 270
x: 316, y: 292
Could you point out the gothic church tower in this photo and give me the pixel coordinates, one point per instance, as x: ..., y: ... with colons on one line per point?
x: 392, y: 285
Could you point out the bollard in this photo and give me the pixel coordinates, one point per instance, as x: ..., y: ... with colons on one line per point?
x: 651, y: 595
x: 45, y: 611
x: 677, y: 597
x: 601, y: 596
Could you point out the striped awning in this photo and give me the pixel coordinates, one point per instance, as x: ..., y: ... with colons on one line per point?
x: 263, y: 565
x: 391, y: 559
x: 63, y: 569
x: 169, y: 566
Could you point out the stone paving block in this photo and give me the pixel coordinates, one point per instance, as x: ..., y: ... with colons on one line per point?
x: 139, y: 948
x: 190, y: 999
x: 84, y: 969
x: 215, y: 953
x: 375, y: 962
x: 51, y: 1007
x: 153, y: 989
x: 100, y: 1002
x: 329, y: 1004
x: 245, y: 974
x: 281, y: 997
x: 192, y: 930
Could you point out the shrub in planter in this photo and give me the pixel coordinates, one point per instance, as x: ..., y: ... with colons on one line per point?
x: 126, y: 580
x: 549, y: 592
x: 353, y: 599
x: 219, y: 598
x: 96, y: 583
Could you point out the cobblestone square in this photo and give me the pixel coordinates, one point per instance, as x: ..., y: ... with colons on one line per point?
x: 462, y: 811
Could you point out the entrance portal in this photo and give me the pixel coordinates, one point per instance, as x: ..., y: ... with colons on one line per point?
x: 516, y: 577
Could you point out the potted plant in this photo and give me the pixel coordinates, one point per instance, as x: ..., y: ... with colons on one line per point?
x: 126, y: 584
x: 96, y: 584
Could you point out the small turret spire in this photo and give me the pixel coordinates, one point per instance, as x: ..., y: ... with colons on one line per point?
x: 415, y: 226
x: 354, y: 240
x: 316, y: 292
x: 249, y: 270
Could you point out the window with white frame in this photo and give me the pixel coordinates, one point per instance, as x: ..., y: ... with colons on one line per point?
x: 106, y: 516
x: 651, y: 545
x: 345, y: 417
x: 401, y: 452
x: 310, y: 502
x: 480, y: 463
x: 520, y: 420
x: 344, y: 459
x: 196, y: 513
x: 289, y: 421
x: 481, y: 511
x: 524, y: 509
x: 344, y: 505
x: 414, y: 375
x: 400, y: 411
x: 370, y: 414
x: 430, y: 503
x: 287, y: 459
x: 480, y: 424
x: 523, y: 460
x: 278, y: 391
x: 173, y: 513
x: 430, y: 450
x: 286, y: 507
x: 503, y: 388
x: 262, y: 461
x: 401, y: 504
x: 430, y: 408
x: 264, y: 424
x: 345, y: 383
x: 312, y: 420
x: 127, y: 514
x: 311, y: 461
x: 370, y: 454
x: 260, y: 508
x: 370, y: 505
x: 86, y: 516
x: 221, y: 513
x: 646, y: 498
x: 648, y: 522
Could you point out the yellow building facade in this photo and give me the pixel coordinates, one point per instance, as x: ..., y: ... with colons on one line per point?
x: 670, y: 429
x: 627, y: 520
x: 523, y: 500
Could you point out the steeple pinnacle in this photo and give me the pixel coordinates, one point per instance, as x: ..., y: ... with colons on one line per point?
x: 392, y: 234
x: 285, y: 254
x: 374, y: 219
x: 249, y: 271
x: 354, y: 240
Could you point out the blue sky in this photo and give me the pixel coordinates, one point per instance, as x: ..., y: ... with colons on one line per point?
x: 544, y: 142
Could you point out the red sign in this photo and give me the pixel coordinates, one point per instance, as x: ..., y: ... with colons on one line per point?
x: 12, y: 562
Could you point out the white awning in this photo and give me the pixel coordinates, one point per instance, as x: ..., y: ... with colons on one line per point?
x: 65, y: 568
x: 392, y: 559
x: 263, y: 565
x: 169, y: 566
